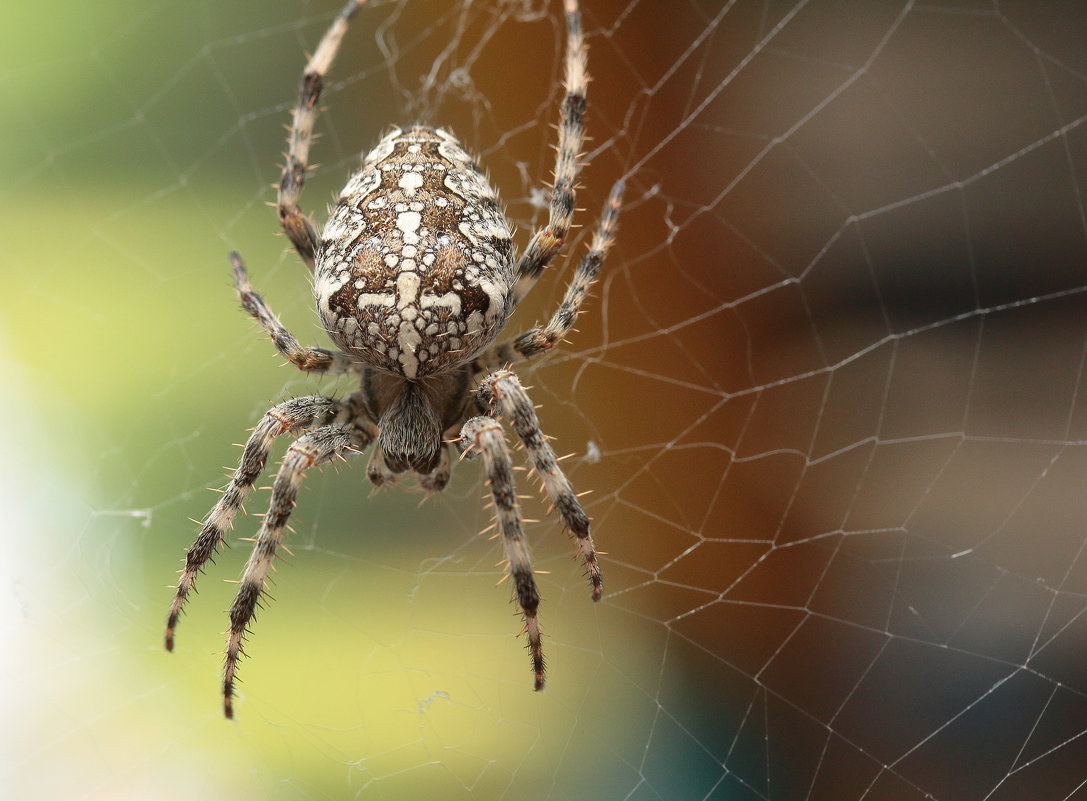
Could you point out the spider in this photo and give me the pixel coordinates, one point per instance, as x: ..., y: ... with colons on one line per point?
x: 415, y: 277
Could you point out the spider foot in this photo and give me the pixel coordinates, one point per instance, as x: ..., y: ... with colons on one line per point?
x: 171, y: 626
x: 228, y: 703
x: 592, y: 567
x: 528, y: 597
x: 535, y: 648
x: 234, y: 652
x: 241, y: 275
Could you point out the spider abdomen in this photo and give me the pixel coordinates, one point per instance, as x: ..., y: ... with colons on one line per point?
x: 414, y: 274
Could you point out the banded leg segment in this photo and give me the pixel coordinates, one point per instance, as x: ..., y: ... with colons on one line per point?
x: 503, y: 394
x: 539, y: 340
x: 292, y: 416
x: 299, y: 228
x: 314, y: 360
x: 311, y: 449
x: 483, y: 436
x: 546, y: 242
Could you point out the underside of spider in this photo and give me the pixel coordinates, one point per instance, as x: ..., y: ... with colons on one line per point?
x: 415, y: 277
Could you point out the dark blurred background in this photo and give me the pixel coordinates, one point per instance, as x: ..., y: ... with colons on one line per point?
x: 828, y: 399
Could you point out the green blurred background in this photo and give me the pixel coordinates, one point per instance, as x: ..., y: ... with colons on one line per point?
x: 827, y: 397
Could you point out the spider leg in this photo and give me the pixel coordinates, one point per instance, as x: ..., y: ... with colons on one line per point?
x: 503, y: 394
x: 546, y: 242
x: 316, y: 447
x: 298, y: 227
x: 539, y: 340
x: 483, y: 436
x: 314, y: 360
x: 291, y: 416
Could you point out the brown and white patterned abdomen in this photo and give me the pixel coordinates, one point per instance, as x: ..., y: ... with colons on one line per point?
x: 415, y: 272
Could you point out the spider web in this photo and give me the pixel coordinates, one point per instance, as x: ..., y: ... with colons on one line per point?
x: 828, y: 398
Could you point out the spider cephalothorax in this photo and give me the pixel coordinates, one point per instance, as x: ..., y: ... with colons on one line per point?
x: 415, y: 278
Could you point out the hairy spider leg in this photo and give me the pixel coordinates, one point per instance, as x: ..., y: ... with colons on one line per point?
x: 547, y: 241
x: 539, y: 340
x: 314, y: 448
x: 291, y: 416
x: 506, y: 398
x: 313, y: 360
x: 299, y: 228
x: 482, y: 436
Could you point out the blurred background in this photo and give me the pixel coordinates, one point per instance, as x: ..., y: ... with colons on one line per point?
x: 829, y: 400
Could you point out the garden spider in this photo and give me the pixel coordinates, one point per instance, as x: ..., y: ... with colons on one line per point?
x: 415, y: 278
